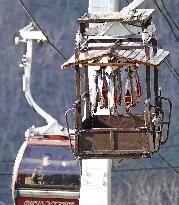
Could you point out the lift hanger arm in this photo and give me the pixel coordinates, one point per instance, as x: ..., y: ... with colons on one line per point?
x: 29, y: 35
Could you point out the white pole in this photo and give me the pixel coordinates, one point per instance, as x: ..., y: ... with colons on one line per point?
x: 29, y: 35
x: 26, y: 85
x: 96, y: 173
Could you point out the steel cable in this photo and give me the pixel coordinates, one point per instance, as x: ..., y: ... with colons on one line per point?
x: 169, y: 15
x: 170, y: 25
x: 169, y: 164
x: 170, y: 67
x: 39, y: 27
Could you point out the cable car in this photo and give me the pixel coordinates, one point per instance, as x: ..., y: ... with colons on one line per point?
x: 46, y: 172
x: 99, y: 61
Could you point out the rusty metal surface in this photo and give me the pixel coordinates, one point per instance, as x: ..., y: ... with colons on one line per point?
x: 136, y: 155
x: 148, y: 86
x: 111, y: 121
x: 103, y: 144
x: 86, y: 87
x: 122, y: 141
x: 78, y: 106
x: 116, y: 47
x: 138, y: 16
x: 113, y: 137
x: 102, y: 39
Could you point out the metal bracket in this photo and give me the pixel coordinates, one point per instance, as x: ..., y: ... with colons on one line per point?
x: 29, y: 34
x: 167, y: 123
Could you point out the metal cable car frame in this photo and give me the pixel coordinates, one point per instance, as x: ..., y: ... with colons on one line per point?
x: 100, y: 136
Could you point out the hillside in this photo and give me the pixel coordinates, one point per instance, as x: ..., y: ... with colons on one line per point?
x: 54, y: 91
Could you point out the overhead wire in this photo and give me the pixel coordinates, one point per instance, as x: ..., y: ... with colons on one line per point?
x: 5, y: 174
x: 174, y: 72
x: 171, y: 146
x: 170, y: 25
x: 127, y: 1
x: 168, y: 63
x: 144, y: 169
x: 39, y: 27
x: 169, y: 164
x: 7, y: 161
x: 171, y: 67
x: 169, y: 15
x: 62, y: 56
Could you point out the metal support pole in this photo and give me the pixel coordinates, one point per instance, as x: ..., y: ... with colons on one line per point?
x: 156, y: 89
x: 148, y: 82
x: 87, y: 101
x: 78, y: 95
x: 96, y: 173
x: 29, y: 35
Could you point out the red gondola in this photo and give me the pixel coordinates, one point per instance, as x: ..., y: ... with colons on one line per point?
x: 46, y: 172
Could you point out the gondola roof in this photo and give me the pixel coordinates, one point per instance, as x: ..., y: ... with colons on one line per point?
x: 125, y: 56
